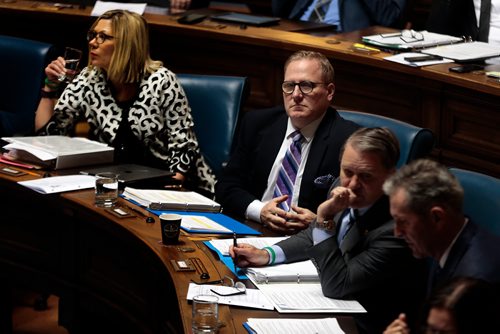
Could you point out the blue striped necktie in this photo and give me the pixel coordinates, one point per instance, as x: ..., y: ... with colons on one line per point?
x: 319, y: 12
x: 288, y: 170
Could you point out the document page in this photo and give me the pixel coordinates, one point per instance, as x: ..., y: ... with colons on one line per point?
x: 201, y: 224
x: 253, y: 298
x: 306, y: 298
x: 294, y: 326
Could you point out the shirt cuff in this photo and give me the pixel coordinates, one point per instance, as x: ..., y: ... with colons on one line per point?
x: 253, y: 210
x: 279, y: 255
x: 320, y: 235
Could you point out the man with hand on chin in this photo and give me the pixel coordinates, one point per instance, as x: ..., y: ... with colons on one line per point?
x: 351, y: 241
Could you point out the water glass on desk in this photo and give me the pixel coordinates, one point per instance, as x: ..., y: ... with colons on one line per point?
x: 205, y: 314
x: 72, y: 59
x: 106, y: 189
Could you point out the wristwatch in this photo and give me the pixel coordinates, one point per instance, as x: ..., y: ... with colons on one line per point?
x: 328, y: 225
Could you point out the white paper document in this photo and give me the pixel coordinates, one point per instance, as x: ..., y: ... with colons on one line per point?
x: 58, y: 152
x: 423, y: 39
x: 400, y: 58
x: 57, y: 184
x: 251, y: 298
x: 172, y: 200
x: 294, y: 326
x: 202, y: 224
x: 465, y: 51
x: 306, y: 298
x: 296, y: 272
x: 100, y: 7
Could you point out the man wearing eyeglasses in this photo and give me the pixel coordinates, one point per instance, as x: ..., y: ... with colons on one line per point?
x: 276, y: 174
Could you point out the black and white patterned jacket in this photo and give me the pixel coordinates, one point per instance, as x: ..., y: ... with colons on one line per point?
x: 160, y: 118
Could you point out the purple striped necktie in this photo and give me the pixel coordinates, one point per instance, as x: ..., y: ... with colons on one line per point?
x: 288, y: 170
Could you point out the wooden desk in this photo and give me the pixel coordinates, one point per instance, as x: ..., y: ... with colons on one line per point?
x: 110, y: 273
x: 463, y: 110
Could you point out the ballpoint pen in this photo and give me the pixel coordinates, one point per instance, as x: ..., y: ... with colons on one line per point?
x: 235, y: 260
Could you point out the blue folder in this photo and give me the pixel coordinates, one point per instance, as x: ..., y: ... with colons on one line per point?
x: 228, y: 222
x: 228, y: 261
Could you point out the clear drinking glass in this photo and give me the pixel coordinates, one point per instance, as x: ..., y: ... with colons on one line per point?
x: 72, y: 58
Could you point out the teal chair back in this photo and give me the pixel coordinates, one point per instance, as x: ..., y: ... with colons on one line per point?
x: 415, y: 142
x: 22, y: 65
x: 481, y: 198
x: 216, y: 102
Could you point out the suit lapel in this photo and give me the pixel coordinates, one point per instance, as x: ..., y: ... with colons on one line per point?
x: 270, y: 143
x: 379, y: 213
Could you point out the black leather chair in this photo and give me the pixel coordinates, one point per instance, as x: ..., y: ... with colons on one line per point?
x: 481, y: 198
x: 216, y: 102
x: 22, y: 64
x: 415, y: 142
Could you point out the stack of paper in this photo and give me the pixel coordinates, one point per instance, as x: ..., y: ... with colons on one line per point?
x: 58, y: 152
x: 306, y: 298
x: 57, y: 184
x: 397, y: 41
x: 303, y: 271
x: 293, y: 326
x: 465, y: 51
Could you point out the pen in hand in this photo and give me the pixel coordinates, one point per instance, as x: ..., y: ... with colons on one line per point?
x: 235, y: 260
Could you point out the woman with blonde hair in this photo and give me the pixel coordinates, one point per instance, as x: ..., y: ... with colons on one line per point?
x: 129, y: 101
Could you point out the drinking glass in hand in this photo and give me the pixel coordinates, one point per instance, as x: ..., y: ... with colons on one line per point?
x: 72, y: 59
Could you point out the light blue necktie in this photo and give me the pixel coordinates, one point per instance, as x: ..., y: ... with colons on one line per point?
x: 346, y: 224
x: 288, y: 170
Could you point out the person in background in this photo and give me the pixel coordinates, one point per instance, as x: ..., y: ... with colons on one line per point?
x: 347, y: 15
x: 477, y: 19
x: 351, y: 241
x: 180, y: 6
x: 129, y: 101
x: 427, y: 205
x: 251, y: 184
x: 463, y: 306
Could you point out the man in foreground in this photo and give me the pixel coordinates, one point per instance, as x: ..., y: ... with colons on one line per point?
x: 352, y: 241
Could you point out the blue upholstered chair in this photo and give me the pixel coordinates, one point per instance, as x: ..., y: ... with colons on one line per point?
x: 481, y: 198
x: 415, y: 142
x: 22, y: 64
x: 216, y: 102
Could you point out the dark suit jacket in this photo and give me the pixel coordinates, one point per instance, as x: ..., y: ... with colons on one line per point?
x: 245, y: 177
x: 375, y: 268
x: 354, y: 14
x: 456, y: 18
x: 476, y: 253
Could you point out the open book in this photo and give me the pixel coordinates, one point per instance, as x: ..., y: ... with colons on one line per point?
x: 171, y: 200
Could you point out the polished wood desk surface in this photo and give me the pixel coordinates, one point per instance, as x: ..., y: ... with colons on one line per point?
x: 462, y: 110
x: 273, y: 37
x: 146, y: 238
